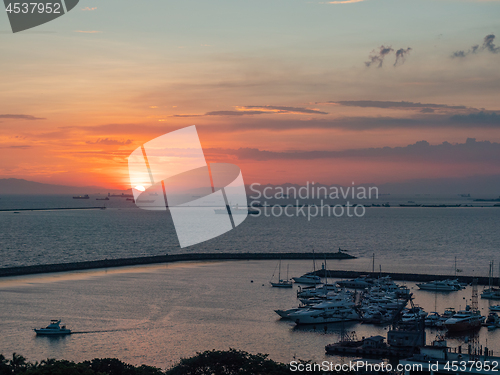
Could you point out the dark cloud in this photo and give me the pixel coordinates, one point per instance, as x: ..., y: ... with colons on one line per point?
x: 396, y: 105
x: 109, y: 142
x: 470, y: 151
x: 478, y: 118
x: 260, y: 110
x: 488, y: 45
x: 283, y: 109
x: 401, y: 55
x: 21, y: 117
x: 377, y: 56
x: 235, y: 113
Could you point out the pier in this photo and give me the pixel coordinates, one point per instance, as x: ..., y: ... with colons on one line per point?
x: 123, y: 262
x: 416, y: 277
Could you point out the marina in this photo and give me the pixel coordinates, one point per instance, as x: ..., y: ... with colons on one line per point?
x: 199, y: 314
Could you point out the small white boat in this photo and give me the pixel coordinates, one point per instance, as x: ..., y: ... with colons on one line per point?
x: 53, y: 329
x: 491, y: 293
x: 464, y: 321
x: 440, y: 286
x: 307, y: 279
x: 282, y: 283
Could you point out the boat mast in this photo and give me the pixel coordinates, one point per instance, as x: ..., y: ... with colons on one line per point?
x: 373, y: 263
x: 279, y: 272
x: 314, y: 262
x: 455, y: 266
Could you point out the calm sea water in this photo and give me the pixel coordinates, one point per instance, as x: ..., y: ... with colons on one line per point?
x: 158, y: 314
x: 425, y: 240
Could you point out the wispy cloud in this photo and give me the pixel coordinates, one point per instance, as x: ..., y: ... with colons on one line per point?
x: 259, y: 110
x: 109, y: 142
x: 423, y: 107
x: 21, y: 117
x: 89, y: 9
x: 377, y: 56
x: 488, y: 46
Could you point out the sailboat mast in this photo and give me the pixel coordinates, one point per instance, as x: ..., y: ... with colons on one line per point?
x: 279, y: 272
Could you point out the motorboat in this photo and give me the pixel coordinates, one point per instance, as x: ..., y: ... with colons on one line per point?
x: 327, y: 312
x: 491, y: 293
x: 53, y: 329
x: 358, y: 283
x: 307, y: 279
x: 465, y: 320
x: 440, y: 286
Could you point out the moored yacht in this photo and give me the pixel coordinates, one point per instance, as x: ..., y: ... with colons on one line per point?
x: 491, y: 293
x: 440, y: 286
x: 464, y: 321
x: 307, y: 279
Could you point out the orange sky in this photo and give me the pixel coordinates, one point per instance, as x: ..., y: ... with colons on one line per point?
x: 74, y: 105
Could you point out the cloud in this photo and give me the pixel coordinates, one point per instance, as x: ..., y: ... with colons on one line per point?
x: 109, y: 142
x: 234, y: 113
x: 22, y: 117
x: 401, y: 55
x: 424, y: 107
x: 470, y: 151
x: 488, y: 45
x: 283, y: 109
x: 259, y: 110
x: 377, y: 57
x: 88, y: 31
x: 89, y: 9
x: 478, y: 118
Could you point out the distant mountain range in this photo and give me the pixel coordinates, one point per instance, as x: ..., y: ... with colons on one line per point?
x: 20, y: 186
x: 476, y: 185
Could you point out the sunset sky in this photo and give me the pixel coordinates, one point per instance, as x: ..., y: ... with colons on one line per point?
x: 290, y: 91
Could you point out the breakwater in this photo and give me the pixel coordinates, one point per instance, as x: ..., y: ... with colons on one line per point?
x: 110, y: 263
x: 415, y: 277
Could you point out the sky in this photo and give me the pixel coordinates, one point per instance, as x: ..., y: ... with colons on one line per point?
x: 371, y: 91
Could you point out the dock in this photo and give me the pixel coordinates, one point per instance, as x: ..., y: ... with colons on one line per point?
x: 397, y: 276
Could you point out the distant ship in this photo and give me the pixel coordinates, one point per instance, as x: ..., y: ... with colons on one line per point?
x: 102, y: 199
x: 86, y: 196
x: 235, y: 210
x: 122, y: 195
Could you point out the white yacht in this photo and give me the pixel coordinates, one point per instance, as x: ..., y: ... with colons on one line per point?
x: 307, y: 279
x: 358, y: 283
x: 327, y: 312
x: 464, y: 321
x: 440, y: 286
x: 53, y: 329
x: 491, y: 293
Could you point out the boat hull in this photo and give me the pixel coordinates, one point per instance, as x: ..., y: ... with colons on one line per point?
x: 45, y: 332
